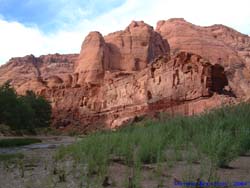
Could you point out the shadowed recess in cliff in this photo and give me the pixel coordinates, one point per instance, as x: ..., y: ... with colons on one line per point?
x: 219, y: 80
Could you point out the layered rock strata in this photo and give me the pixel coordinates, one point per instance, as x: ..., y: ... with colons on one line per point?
x: 177, y: 68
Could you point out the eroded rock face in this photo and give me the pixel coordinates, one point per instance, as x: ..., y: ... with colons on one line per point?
x: 135, y: 47
x: 29, y: 72
x: 218, y: 44
x: 93, y: 59
x: 132, y: 73
x: 128, y: 50
x: 178, y: 85
x: 184, y: 36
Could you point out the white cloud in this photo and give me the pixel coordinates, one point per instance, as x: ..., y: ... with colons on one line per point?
x: 19, y: 40
x: 207, y: 12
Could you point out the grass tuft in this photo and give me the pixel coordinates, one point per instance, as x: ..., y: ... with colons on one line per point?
x: 10, y: 157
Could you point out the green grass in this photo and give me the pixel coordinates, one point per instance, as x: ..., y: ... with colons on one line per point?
x: 10, y: 157
x: 220, y: 136
x: 15, y: 142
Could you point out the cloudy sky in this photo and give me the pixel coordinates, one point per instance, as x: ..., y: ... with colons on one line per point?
x: 49, y: 26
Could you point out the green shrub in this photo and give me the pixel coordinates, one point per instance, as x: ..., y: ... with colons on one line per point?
x: 23, y: 112
x: 10, y: 157
x: 5, y: 143
x: 217, y: 135
x: 220, y: 147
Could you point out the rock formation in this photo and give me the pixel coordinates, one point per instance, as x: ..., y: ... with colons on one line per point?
x: 92, y: 60
x: 133, y: 73
x: 29, y: 71
x: 218, y: 44
x: 135, y: 47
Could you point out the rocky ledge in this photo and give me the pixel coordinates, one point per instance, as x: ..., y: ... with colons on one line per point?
x: 176, y: 68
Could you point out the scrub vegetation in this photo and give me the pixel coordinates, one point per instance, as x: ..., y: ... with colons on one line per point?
x: 15, y: 142
x: 212, y: 139
x: 27, y: 112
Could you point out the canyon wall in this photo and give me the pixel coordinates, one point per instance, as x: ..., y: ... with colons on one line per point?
x: 178, y: 68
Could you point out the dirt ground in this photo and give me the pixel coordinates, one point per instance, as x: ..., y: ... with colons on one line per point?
x: 39, y: 169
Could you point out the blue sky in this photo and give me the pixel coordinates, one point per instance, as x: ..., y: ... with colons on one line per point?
x: 50, y: 26
x: 52, y: 15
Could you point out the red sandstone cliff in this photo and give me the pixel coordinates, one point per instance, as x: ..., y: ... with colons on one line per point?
x: 218, y: 44
x: 27, y: 72
x: 133, y: 72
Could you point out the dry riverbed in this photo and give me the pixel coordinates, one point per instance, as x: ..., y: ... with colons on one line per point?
x: 36, y: 168
x: 39, y: 169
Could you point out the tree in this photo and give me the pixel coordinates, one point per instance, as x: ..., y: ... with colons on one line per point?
x: 23, y: 112
x: 8, y: 105
x: 41, y: 107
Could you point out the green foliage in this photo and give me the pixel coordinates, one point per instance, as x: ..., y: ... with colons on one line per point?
x: 15, y: 142
x: 9, y: 105
x: 220, y: 146
x: 23, y: 112
x: 11, y: 157
x: 219, y: 136
x: 41, y: 108
x: 4, y: 129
